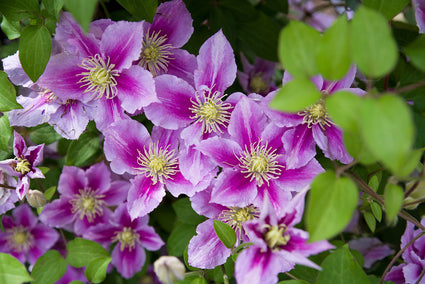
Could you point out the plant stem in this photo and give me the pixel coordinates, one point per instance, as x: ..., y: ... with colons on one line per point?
x: 7, y: 186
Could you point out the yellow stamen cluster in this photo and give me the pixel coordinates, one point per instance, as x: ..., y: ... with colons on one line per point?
x: 22, y: 166
x: 156, y: 54
x: 87, y: 203
x: 316, y: 114
x: 276, y: 236
x: 19, y: 238
x: 236, y: 216
x: 127, y: 238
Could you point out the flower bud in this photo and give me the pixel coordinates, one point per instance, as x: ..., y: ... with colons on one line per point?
x: 36, y: 198
x: 169, y: 269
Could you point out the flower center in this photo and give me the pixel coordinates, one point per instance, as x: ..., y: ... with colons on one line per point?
x: 258, y: 85
x: 19, y: 239
x: 99, y: 77
x: 276, y: 236
x: 316, y: 114
x: 259, y: 162
x: 157, y: 163
x: 22, y: 166
x: 88, y: 204
x: 127, y: 238
x: 156, y: 54
x: 211, y: 111
x: 236, y: 216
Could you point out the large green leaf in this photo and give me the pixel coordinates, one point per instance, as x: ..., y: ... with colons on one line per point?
x: 344, y: 108
x: 6, y: 132
x: 341, y: 267
x: 7, y: 94
x: 82, y: 10
x: 333, y: 54
x: 12, y: 271
x: 394, y: 197
x: 144, y: 9
x: 389, y: 8
x: 18, y: 10
x: 35, y: 47
x: 373, y: 47
x: 297, y: 49
x: 44, y: 133
x: 416, y: 52
x: 81, y: 252
x: 179, y: 238
x: 11, y: 29
x: 185, y: 213
x: 387, y: 129
x: 54, y: 7
x: 96, y: 269
x: 331, y: 205
x: 296, y: 95
x: 49, y: 268
x: 225, y: 233
x: 84, y: 151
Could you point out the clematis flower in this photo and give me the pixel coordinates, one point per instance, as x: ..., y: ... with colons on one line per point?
x: 132, y: 236
x: 8, y: 196
x: 313, y: 126
x: 153, y: 160
x: 419, y: 6
x: 100, y: 73
x: 372, y: 249
x: 24, y: 164
x: 254, y: 162
x: 24, y: 237
x: 277, y: 244
x: 85, y: 198
x: 171, y: 28
x: 413, y: 256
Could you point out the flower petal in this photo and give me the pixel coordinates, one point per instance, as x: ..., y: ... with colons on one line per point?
x: 128, y: 262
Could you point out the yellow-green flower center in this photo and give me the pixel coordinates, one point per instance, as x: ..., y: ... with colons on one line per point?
x: 22, y: 166
x: 236, y: 216
x: 258, y: 85
x: 19, y: 238
x: 211, y: 111
x: 127, y: 238
x: 259, y: 162
x: 99, y: 77
x: 316, y: 114
x: 276, y: 236
x: 157, y: 163
x: 88, y: 204
x: 156, y: 54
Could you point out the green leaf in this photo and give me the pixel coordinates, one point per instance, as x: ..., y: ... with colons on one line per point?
x: 356, y: 147
x: 84, y: 151
x: 374, y: 182
x: 376, y: 210
x: 6, y: 132
x: 416, y: 52
x: 49, y: 268
x: 18, y: 10
x: 44, y: 133
x: 7, y: 94
x: 225, y: 233
x: 11, y: 29
x: 76, y: 282
x: 389, y: 8
x: 370, y: 221
x: 331, y: 205
x: 35, y: 47
x: 54, y: 7
x: 297, y: 49
x: 185, y: 213
x: 333, y: 54
x: 296, y: 95
x: 388, y: 131
x: 81, y: 252
x: 394, y: 197
x: 82, y: 10
x: 144, y: 9
x: 96, y: 269
x: 293, y: 282
x: 343, y: 108
x: 373, y: 47
x: 341, y: 267
x: 12, y: 271
x: 50, y: 192
x: 179, y: 238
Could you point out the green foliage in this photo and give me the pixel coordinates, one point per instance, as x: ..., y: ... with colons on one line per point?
x: 333, y: 55
x: 53, y: 7
x: 11, y: 29
x: 84, y: 151
x: 416, y: 52
x: 293, y: 282
x: 344, y: 108
x: 7, y: 94
x: 49, y: 268
x: 6, y: 132
x: 296, y: 95
x: 185, y: 213
x: 12, y: 271
x: 389, y: 8
x: 82, y: 10
x: 225, y: 233
x: 373, y: 47
x: 331, y: 205
x: 44, y: 133
x: 179, y: 238
x: 143, y: 9
x: 96, y: 269
x: 341, y: 267
x: 35, y: 47
x: 394, y: 197
x: 81, y: 252
x: 18, y: 10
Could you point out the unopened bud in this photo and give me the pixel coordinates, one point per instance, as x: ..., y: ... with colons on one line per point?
x: 169, y: 269
x: 36, y: 198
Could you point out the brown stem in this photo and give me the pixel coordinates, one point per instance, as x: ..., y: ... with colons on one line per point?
x: 421, y: 276
x: 7, y: 186
x: 414, y: 202
x: 290, y: 275
x: 409, y: 87
x: 398, y: 255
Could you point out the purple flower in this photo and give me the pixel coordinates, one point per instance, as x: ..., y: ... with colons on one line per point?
x: 254, y: 162
x: 372, y: 249
x: 153, y: 160
x: 100, y: 72
x: 8, y: 197
x: 132, y: 237
x: 170, y: 30
x: 85, y: 198
x: 313, y: 126
x: 24, y: 164
x: 419, y: 6
x: 413, y: 256
x: 24, y: 237
x: 277, y: 245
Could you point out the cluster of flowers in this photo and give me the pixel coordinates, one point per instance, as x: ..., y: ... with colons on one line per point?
x: 239, y: 161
